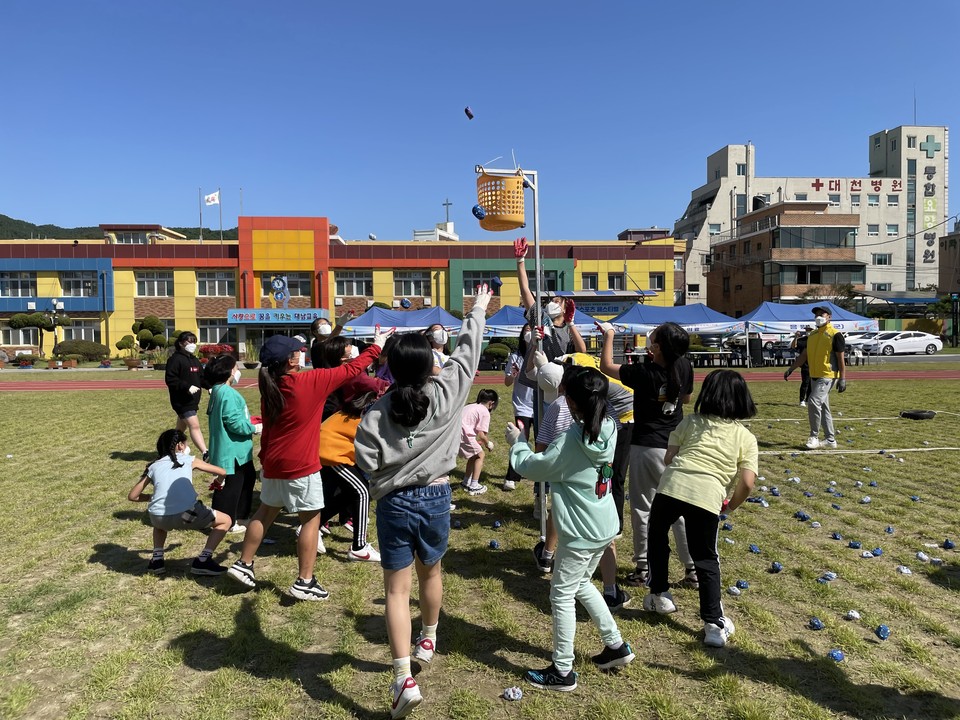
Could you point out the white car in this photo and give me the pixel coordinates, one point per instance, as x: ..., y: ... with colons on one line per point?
x: 859, y: 338
x: 888, y: 343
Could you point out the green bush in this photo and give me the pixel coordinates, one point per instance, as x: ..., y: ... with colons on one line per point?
x: 80, y: 350
x: 26, y: 359
x: 511, y: 342
x: 496, y: 351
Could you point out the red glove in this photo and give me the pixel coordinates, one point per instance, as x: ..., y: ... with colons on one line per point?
x: 540, y: 332
x: 725, y: 505
x: 569, y: 308
x: 217, y: 484
x: 255, y: 419
x: 520, y: 248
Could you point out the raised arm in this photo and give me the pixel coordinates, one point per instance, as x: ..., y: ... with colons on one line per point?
x: 607, y: 366
x: 520, y: 252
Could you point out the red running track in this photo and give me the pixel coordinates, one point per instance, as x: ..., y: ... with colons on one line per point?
x: 493, y: 378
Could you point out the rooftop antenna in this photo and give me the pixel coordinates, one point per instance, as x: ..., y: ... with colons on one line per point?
x: 490, y: 161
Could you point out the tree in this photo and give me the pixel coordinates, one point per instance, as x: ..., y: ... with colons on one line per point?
x: 44, y: 322
x: 841, y: 295
x: 150, y: 332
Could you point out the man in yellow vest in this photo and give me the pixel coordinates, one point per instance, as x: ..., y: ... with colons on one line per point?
x: 824, y: 354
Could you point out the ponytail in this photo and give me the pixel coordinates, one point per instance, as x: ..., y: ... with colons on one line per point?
x: 167, y: 446
x: 674, y: 343
x: 270, y: 395
x: 408, y: 405
x: 588, y: 389
x: 411, y: 362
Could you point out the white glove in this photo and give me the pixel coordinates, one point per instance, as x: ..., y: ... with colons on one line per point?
x: 540, y: 359
x: 345, y: 318
x: 513, y: 434
x: 490, y: 445
x: 257, y: 428
x: 606, y: 327
x: 668, y: 408
x: 380, y: 337
x: 482, y: 300
x: 193, y: 389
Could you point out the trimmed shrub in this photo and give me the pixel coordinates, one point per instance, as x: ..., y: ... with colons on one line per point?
x: 80, y: 350
x: 496, y: 351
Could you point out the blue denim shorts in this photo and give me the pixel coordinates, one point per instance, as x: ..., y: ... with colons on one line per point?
x: 413, y: 521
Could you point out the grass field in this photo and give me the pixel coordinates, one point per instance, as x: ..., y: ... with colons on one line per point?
x: 85, y: 632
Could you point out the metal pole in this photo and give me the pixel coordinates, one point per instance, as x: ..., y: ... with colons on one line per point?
x: 200, y: 203
x: 535, y: 185
x: 220, y: 208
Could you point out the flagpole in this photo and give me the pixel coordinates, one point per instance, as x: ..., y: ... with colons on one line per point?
x: 241, y: 201
x: 200, y: 203
x: 220, y: 208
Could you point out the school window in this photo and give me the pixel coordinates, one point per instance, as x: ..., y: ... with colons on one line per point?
x: 18, y: 284
x: 833, y: 199
x: 893, y: 201
x: 353, y: 283
x: 855, y: 200
x: 741, y: 168
x: 590, y: 281
x: 615, y: 281
x: 714, y: 228
x: 882, y: 258
x: 550, y: 283
x: 657, y: 281
x: 79, y: 283
x: 82, y: 330
x: 911, y: 142
x: 881, y: 287
x: 154, y: 284
x: 15, y: 338
x: 893, y: 229
x: 213, y: 331
x: 800, y: 197
x: 131, y: 238
x: 873, y: 201
x: 298, y: 283
x: 216, y: 284
x: 678, y: 264
x: 415, y: 283
x: 169, y: 328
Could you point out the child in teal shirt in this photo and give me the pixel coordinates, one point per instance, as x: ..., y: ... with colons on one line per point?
x: 578, y: 466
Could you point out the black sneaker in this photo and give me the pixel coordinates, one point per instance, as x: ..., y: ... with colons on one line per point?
x: 617, y: 600
x: 551, y: 679
x: 308, y: 590
x: 156, y: 566
x: 638, y: 578
x: 243, y: 573
x: 206, y: 455
x: 207, y: 567
x: 544, y: 566
x: 610, y: 658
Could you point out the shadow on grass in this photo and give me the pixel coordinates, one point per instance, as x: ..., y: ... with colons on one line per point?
x: 823, y: 681
x: 946, y: 576
x: 133, y: 516
x: 133, y: 562
x: 514, y: 568
x: 248, y: 650
x: 133, y: 455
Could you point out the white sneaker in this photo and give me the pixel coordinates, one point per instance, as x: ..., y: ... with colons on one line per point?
x: 237, y: 528
x: 661, y: 603
x: 812, y: 443
x: 830, y: 444
x: 509, y: 485
x: 406, y: 696
x: 321, y: 548
x: 716, y: 636
x: 803, y: 403
x: 477, y: 489
x: 367, y: 554
x: 424, y: 648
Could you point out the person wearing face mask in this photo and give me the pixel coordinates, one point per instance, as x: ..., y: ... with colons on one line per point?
x: 185, y: 380
x: 321, y: 330
x: 824, y: 354
x: 523, y: 395
x: 231, y: 442
x: 438, y: 337
x: 560, y: 335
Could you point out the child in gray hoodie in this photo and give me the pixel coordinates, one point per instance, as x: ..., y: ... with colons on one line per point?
x: 578, y: 465
x: 407, y: 443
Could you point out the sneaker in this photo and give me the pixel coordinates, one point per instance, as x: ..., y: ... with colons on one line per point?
x: 243, y: 573
x: 406, y: 696
x: 321, y: 548
x: 617, y: 600
x: 477, y: 489
x: 424, y: 648
x: 509, y: 485
x: 545, y: 566
x: 207, y: 567
x: 237, y: 528
x: 812, y: 443
x: 348, y: 525
x: 716, y: 636
x: 660, y: 602
x: 638, y: 578
x: 610, y: 658
x: 832, y: 444
x: 803, y: 403
x: 690, y: 580
x: 206, y: 455
x: 324, y: 529
x: 551, y: 679
x: 308, y: 590
x: 366, y: 554
x: 156, y: 566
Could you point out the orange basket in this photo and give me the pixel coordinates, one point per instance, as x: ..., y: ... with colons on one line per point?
x: 502, y: 199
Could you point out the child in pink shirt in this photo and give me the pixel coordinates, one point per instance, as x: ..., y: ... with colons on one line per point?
x: 474, y: 426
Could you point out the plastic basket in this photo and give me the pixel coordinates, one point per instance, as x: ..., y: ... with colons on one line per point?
x: 502, y: 199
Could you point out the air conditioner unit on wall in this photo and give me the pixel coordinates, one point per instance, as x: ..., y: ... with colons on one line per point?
x: 31, y: 306
x: 338, y: 301
x: 427, y: 302
x: 396, y: 303
x: 370, y: 303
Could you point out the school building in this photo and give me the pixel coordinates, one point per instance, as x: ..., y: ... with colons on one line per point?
x: 283, y: 272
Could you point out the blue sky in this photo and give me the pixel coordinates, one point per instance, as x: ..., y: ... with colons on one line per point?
x: 119, y: 112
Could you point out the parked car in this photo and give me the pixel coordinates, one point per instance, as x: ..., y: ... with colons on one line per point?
x: 859, y: 338
x: 768, y: 340
x: 888, y: 343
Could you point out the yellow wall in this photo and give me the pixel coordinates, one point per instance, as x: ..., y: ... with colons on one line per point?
x: 48, y: 286
x: 185, y: 298
x: 283, y: 251
x: 125, y: 290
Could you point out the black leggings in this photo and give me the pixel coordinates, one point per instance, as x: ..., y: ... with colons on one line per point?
x: 527, y: 426
x: 236, y: 498
x: 346, y: 490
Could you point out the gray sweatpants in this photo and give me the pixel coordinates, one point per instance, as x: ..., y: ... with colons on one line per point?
x: 818, y: 407
x: 646, y: 467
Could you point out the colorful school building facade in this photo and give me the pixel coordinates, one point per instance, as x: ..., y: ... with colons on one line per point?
x: 227, y: 291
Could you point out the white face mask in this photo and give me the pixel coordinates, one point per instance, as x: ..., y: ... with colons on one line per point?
x: 236, y: 376
x: 354, y: 352
x: 527, y: 336
x: 553, y: 310
x: 324, y: 330
x: 190, y: 348
x: 820, y: 321
x: 439, y: 336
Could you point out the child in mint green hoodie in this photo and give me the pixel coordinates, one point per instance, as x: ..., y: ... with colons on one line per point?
x: 578, y: 466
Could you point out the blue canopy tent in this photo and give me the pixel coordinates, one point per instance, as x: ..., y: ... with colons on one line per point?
x: 508, y: 321
x: 696, y: 318
x: 780, y: 318
x: 404, y: 320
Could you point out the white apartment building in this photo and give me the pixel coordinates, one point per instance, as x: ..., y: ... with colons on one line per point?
x: 902, y: 204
